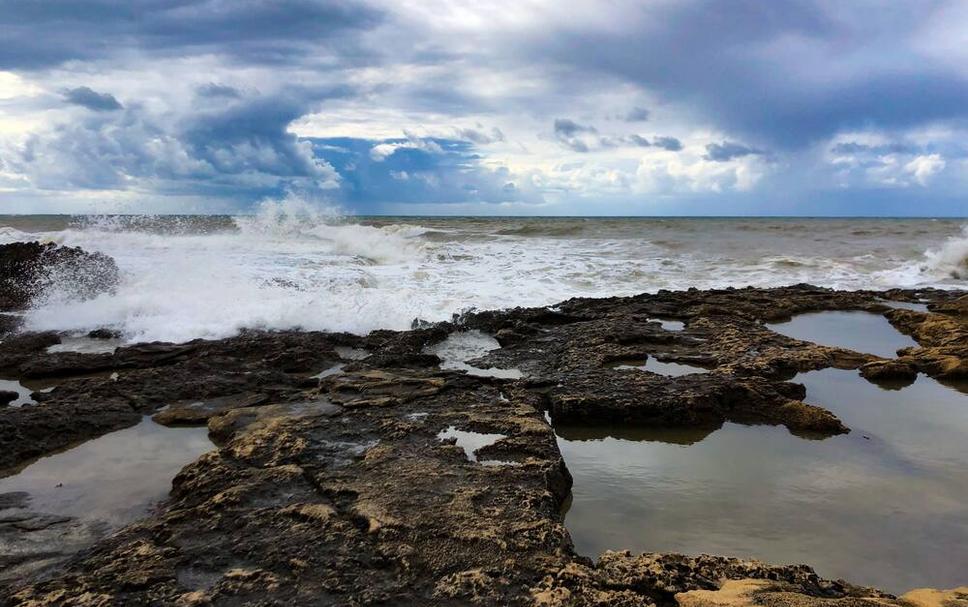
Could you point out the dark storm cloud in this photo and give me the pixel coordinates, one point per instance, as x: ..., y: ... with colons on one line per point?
x: 240, y: 148
x: 92, y: 100
x: 728, y: 150
x: 786, y: 77
x: 35, y: 34
x: 788, y: 73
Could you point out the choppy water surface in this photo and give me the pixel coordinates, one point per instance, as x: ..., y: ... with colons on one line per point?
x: 886, y: 505
x: 292, y: 267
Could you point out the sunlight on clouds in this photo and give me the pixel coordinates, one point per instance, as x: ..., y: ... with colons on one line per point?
x: 12, y: 85
x: 665, y: 97
x: 923, y: 168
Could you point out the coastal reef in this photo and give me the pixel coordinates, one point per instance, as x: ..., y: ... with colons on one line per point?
x: 370, y: 470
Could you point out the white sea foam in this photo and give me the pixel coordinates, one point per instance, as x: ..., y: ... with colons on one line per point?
x: 299, y: 265
x: 952, y: 257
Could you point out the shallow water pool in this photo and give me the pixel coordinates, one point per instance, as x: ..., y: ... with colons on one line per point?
x: 858, y: 331
x: 671, y: 369
x: 886, y: 505
x: 113, y: 479
x: 23, y: 392
x: 86, y: 345
x: 916, y: 306
x: 463, y: 346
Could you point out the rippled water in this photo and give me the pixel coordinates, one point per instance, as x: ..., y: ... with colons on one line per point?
x: 291, y: 266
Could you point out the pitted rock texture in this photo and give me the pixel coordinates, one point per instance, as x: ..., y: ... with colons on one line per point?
x: 336, y: 488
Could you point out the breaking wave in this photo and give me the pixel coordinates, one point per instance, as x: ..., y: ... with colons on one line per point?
x: 952, y: 257
x: 295, y: 264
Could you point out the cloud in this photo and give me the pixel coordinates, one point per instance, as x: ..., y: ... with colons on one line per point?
x: 481, y: 136
x: 237, y: 100
x: 852, y: 147
x: 584, y: 138
x: 40, y: 35
x: 387, y: 148
x: 569, y: 134
x: 565, y: 127
x: 417, y: 171
x: 637, y: 114
x: 240, y: 149
x: 877, y: 160
x: 218, y: 90
x: 923, y: 168
x: 728, y: 150
x: 790, y: 73
x: 639, y: 140
x: 92, y: 100
x: 670, y: 144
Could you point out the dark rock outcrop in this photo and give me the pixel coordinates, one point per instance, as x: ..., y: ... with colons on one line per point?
x: 28, y: 268
x: 350, y: 487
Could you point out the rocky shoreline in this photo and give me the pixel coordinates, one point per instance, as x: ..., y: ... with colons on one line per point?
x: 341, y: 478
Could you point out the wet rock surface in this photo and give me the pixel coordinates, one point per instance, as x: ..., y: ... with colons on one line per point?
x: 32, y: 543
x: 27, y: 268
x: 338, y: 489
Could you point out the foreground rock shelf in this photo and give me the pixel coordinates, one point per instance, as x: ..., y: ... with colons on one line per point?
x: 331, y: 483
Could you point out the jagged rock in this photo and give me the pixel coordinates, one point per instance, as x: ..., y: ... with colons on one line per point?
x: 340, y: 490
x: 199, y: 412
x: 103, y: 334
x: 27, y: 268
x: 9, y: 323
x: 897, y: 369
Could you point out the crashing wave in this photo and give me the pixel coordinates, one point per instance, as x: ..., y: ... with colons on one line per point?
x: 952, y: 258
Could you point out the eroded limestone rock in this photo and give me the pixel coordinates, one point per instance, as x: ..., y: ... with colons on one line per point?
x: 339, y: 490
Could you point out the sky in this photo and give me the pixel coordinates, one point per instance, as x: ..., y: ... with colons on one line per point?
x: 492, y: 107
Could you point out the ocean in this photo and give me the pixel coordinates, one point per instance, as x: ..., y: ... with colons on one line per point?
x: 294, y: 266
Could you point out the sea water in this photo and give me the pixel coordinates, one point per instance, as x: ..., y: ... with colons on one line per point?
x: 293, y: 266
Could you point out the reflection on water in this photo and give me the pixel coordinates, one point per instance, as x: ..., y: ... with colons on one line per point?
x: 886, y: 505
x: 469, y: 441
x: 462, y: 347
x: 114, y: 478
x: 859, y: 331
x: 672, y: 436
x: 23, y: 392
x: 665, y: 368
x: 85, y: 345
x: 906, y: 305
